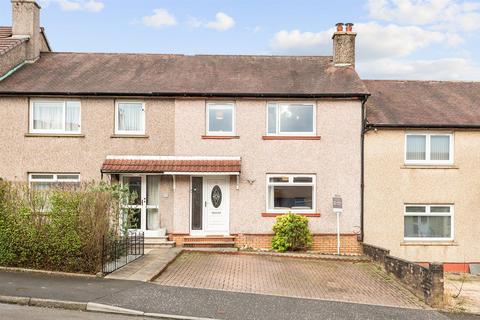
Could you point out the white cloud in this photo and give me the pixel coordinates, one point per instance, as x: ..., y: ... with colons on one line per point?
x: 437, y: 69
x: 160, y: 18
x: 297, y: 42
x: 452, y: 15
x: 373, y: 41
x: 385, y: 51
x: 78, y: 5
x: 222, y: 22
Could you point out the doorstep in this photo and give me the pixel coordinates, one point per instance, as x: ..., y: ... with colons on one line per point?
x: 210, y: 241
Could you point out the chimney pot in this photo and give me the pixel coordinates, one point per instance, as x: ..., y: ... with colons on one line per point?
x: 339, y: 27
x: 349, y: 27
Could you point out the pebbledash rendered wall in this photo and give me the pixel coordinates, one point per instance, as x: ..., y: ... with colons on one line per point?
x: 175, y: 127
x: 334, y: 159
x: 389, y: 184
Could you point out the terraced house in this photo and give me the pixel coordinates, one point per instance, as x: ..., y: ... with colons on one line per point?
x: 422, y: 183
x: 215, y: 146
x: 218, y: 146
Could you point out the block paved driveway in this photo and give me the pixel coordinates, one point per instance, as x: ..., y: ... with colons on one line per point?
x: 359, y: 282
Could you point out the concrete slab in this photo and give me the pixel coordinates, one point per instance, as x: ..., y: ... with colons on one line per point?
x: 147, y: 267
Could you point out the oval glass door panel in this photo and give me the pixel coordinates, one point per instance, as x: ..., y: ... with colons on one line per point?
x: 216, y: 196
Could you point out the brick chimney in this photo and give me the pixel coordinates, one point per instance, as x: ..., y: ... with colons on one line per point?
x: 344, y: 45
x: 26, y: 24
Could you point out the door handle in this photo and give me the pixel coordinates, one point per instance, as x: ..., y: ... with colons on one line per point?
x: 205, y: 203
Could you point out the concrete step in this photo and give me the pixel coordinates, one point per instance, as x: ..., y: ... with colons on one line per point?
x: 158, y: 245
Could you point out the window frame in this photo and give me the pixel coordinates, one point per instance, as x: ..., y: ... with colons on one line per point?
x: 128, y: 132
x: 428, y: 213
x: 278, y: 132
x: 62, y: 131
x: 207, y: 118
x: 290, y: 182
x: 54, y: 177
x: 427, y: 160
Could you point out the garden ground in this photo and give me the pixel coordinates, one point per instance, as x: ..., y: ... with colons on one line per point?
x: 463, y: 292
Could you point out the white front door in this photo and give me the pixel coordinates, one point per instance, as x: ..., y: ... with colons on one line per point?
x: 217, y: 204
x: 146, y: 205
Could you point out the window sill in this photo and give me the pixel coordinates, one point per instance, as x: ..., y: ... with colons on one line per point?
x: 276, y: 214
x: 428, y: 243
x: 428, y: 166
x: 54, y: 135
x: 134, y: 136
x: 291, y: 137
x: 220, y: 137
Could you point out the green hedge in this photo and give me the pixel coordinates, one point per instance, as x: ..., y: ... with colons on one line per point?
x: 291, y: 233
x: 59, y: 229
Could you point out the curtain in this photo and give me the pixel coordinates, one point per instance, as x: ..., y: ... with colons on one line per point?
x: 48, y: 115
x: 72, y: 116
x: 416, y: 145
x: 153, y: 199
x: 130, y: 117
x: 440, y: 148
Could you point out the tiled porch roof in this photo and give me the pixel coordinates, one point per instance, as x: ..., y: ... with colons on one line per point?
x: 131, y: 164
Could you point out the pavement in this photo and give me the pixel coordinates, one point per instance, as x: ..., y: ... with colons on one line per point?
x: 148, y: 266
x: 357, y: 282
x: 181, y: 301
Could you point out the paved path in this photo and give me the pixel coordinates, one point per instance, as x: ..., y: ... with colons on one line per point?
x: 215, y: 304
x: 358, y: 282
x: 146, y: 267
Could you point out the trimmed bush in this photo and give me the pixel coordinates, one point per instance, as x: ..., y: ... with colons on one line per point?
x: 291, y: 233
x: 61, y: 229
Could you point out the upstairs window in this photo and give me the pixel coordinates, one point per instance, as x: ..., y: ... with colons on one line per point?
x: 428, y: 222
x: 130, y: 118
x: 220, y: 119
x: 291, y: 119
x: 55, y: 116
x: 295, y: 193
x: 45, y: 181
x: 428, y: 148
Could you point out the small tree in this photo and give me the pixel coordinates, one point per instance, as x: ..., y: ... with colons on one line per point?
x: 291, y: 233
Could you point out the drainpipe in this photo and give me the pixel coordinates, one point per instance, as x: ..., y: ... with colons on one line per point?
x: 362, y: 169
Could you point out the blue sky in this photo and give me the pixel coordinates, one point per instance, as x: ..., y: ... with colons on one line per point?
x: 397, y: 39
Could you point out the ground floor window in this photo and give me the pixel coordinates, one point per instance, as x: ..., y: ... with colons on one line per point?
x: 428, y: 222
x: 45, y: 181
x: 292, y: 192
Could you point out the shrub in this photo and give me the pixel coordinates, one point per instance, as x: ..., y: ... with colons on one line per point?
x: 291, y: 233
x: 60, y: 229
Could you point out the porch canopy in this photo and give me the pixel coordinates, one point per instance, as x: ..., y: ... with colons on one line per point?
x: 173, y: 165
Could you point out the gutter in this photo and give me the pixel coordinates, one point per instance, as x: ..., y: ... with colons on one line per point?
x: 421, y: 126
x: 188, y: 94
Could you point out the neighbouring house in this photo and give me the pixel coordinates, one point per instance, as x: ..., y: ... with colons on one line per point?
x: 215, y: 146
x: 422, y: 183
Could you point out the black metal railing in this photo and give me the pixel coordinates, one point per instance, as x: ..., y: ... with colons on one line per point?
x: 122, y: 250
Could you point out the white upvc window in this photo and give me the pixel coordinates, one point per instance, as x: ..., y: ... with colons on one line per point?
x: 429, y: 148
x: 130, y: 117
x: 291, y: 119
x: 428, y: 222
x: 45, y: 181
x: 220, y: 119
x: 291, y: 193
x: 55, y: 116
